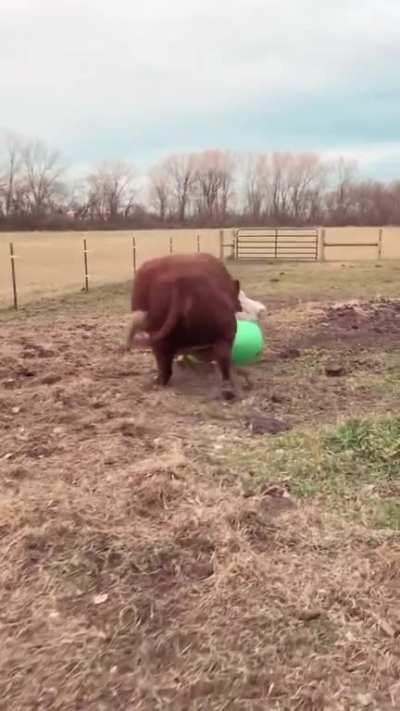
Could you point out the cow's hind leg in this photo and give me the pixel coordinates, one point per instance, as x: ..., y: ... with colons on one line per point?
x: 245, y: 377
x: 164, y: 355
x: 222, y: 352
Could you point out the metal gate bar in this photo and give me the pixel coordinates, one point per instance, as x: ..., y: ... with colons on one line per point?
x: 297, y: 244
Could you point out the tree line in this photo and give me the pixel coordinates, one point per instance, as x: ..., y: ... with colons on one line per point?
x: 208, y: 188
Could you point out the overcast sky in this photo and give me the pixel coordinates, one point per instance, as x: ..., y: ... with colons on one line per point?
x: 138, y: 80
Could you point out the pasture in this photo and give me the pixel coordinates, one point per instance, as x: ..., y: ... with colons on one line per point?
x: 165, y: 550
x: 50, y: 264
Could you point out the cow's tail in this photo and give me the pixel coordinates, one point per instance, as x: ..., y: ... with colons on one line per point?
x: 138, y: 324
x: 172, y: 317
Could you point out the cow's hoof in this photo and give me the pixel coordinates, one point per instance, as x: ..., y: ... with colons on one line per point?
x: 228, y: 393
x: 159, y: 382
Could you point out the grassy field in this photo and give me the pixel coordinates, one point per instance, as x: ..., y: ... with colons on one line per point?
x: 164, y: 550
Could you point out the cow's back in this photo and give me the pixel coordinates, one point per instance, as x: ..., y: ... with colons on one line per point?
x: 181, y: 266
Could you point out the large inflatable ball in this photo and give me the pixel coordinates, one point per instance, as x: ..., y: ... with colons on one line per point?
x: 248, y: 344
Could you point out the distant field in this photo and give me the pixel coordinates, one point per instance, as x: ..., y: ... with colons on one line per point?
x: 51, y: 263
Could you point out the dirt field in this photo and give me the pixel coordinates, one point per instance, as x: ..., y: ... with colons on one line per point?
x: 164, y: 550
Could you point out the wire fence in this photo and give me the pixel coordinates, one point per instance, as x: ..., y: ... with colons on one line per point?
x: 56, y: 263
x: 38, y: 268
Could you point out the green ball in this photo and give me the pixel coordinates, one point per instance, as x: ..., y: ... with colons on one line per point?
x: 248, y: 344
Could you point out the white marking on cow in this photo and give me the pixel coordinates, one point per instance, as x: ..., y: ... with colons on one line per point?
x: 251, y: 310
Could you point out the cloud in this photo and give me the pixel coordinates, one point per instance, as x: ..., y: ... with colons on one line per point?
x: 373, y: 160
x: 123, y: 79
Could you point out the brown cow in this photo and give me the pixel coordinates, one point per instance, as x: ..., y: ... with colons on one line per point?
x: 185, y: 303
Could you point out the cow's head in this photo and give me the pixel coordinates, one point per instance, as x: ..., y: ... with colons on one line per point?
x: 250, y: 310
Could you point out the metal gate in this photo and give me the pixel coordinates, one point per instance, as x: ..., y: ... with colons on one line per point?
x: 284, y: 243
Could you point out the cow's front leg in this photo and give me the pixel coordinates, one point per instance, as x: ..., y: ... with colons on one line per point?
x: 222, y: 352
x: 164, y: 355
x: 245, y: 377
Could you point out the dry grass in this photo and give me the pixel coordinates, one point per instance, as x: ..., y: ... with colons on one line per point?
x: 157, y: 555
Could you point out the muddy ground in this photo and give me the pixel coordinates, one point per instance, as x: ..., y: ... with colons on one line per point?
x: 111, y: 529
x: 79, y: 369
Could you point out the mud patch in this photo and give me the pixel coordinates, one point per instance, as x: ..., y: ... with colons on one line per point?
x: 358, y: 323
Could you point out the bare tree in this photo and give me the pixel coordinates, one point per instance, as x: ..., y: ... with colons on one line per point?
x: 75, y: 205
x: 291, y: 186
x: 394, y: 196
x: 111, y: 191
x: 283, y: 188
x: 280, y: 186
x: 214, y: 182
x: 340, y: 200
x: 256, y: 187
x: 226, y: 196
x: 307, y: 182
x: 10, y: 174
x: 372, y: 203
x: 41, y: 176
x: 182, y: 171
x: 161, y: 189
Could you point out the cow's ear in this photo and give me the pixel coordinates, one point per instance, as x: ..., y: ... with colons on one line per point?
x: 236, y: 287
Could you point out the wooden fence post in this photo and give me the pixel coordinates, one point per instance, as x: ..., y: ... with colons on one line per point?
x: 323, y: 235
x: 198, y: 244
x: 221, y: 245
x: 13, y: 276
x: 134, y: 254
x: 380, y: 235
x: 85, y: 265
x: 171, y: 245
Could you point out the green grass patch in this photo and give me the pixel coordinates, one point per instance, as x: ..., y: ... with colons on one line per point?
x: 372, y: 447
x: 351, y: 467
x: 387, y: 515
